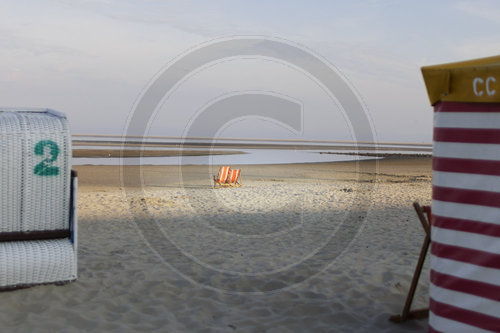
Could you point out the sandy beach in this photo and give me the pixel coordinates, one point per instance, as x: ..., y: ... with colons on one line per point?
x: 324, y: 247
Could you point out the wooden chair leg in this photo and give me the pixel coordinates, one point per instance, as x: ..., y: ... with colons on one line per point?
x: 421, y: 217
x: 407, y: 312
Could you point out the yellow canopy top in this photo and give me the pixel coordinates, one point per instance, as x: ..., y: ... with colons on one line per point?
x: 475, y: 80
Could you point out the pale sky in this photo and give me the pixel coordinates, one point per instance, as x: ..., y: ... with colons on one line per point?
x: 93, y: 59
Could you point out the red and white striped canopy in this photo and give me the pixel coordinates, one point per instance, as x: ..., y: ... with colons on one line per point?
x: 465, y: 248
x: 465, y: 234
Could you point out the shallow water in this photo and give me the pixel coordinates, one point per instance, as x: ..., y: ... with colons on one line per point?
x: 250, y: 156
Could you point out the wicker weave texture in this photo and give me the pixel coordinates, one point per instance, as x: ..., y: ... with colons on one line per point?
x: 35, y: 148
x: 36, y: 262
x: 11, y: 160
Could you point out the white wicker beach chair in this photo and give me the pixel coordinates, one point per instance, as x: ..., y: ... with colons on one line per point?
x: 38, y: 220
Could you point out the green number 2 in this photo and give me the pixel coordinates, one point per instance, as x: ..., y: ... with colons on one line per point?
x: 50, y: 150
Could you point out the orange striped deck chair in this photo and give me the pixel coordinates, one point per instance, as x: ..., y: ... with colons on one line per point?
x: 234, y: 177
x: 222, y: 177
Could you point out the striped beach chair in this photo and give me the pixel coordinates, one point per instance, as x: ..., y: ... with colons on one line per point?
x: 465, y: 248
x: 235, y: 177
x: 222, y: 178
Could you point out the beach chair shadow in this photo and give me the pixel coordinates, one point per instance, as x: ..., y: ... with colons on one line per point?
x: 424, y: 215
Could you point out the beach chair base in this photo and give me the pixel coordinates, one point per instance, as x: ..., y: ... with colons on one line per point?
x: 421, y: 313
x: 413, y: 314
x: 27, y: 260
x: 36, y: 262
x: 219, y: 185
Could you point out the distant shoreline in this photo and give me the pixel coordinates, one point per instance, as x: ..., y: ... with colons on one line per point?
x: 131, y: 153
x: 384, y: 155
x: 239, y: 145
x: 135, y: 153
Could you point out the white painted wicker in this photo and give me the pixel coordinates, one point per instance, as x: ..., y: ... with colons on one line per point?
x: 36, y: 262
x: 30, y: 201
x: 35, y: 197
